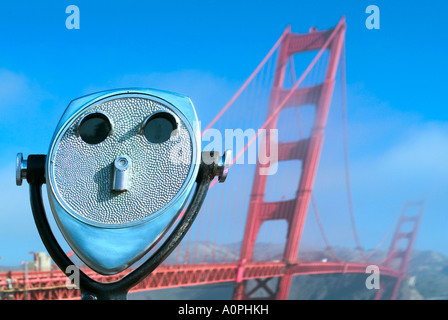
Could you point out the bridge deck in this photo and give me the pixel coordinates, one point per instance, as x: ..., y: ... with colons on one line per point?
x: 52, y: 285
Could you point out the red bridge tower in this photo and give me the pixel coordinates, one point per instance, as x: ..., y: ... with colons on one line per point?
x: 307, y: 150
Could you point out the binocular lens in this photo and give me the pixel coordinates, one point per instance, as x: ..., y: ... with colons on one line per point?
x: 159, y: 127
x: 94, y: 128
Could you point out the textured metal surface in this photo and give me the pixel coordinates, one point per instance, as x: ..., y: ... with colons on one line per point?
x: 83, y: 173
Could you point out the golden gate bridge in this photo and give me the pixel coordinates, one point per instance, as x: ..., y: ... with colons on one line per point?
x: 273, y: 97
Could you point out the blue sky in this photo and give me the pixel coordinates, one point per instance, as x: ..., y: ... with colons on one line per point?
x: 396, y: 79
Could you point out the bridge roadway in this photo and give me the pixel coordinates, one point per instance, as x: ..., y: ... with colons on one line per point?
x: 51, y: 285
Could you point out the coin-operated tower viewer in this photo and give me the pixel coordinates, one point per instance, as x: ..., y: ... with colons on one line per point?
x: 124, y: 170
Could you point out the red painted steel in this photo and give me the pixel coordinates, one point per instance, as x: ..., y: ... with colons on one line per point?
x: 398, y: 256
x: 52, y: 285
x: 307, y: 150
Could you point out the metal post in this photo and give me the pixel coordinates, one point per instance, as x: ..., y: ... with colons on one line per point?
x: 25, y: 280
